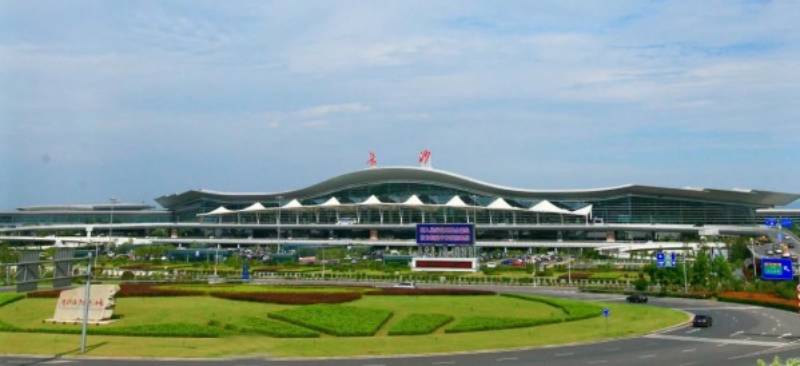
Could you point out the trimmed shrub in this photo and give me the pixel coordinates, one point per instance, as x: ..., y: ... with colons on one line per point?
x: 428, y: 292
x: 152, y: 290
x: 9, y: 297
x: 44, y: 294
x: 289, y: 298
x: 484, y: 323
x: 276, y: 329
x: 417, y: 324
x: 574, y: 310
x: 756, y: 298
x: 183, y: 330
x: 127, y: 276
x: 345, y: 321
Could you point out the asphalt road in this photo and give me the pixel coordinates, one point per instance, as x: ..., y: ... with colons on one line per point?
x: 740, y: 335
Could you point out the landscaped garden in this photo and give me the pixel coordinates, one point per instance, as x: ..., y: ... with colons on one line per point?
x: 206, y: 320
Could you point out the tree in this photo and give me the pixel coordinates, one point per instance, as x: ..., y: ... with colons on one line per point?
x: 7, y: 255
x: 701, y: 270
x: 721, y: 270
x: 739, y: 250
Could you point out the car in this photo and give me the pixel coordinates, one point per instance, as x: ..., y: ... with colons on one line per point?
x: 404, y: 285
x: 702, y: 321
x: 637, y: 299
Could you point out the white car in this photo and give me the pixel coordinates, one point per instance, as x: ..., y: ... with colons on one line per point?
x: 404, y: 285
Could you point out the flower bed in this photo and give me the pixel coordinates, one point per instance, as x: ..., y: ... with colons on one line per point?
x: 289, y: 298
x: 428, y: 291
x: 273, y: 328
x: 758, y: 298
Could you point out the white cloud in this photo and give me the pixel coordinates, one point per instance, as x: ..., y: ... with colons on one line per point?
x: 329, y: 109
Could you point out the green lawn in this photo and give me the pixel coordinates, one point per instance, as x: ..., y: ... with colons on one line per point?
x: 340, y: 320
x: 417, y: 324
x: 246, y: 330
x: 262, y: 288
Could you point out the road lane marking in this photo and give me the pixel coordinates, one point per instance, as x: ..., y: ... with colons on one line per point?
x: 613, y: 349
x: 649, y: 355
x: 596, y: 362
x: 688, y: 363
x: 693, y: 330
x: 734, y: 334
x: 503, y: 359
x: 716, y: 340
x: 443, y: 363
x: 689, y: 350
x: 722, y: 344
x: 785, y: 335
x: 564, y: 354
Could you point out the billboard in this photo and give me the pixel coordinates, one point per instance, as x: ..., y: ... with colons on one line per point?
x: 776, y: 269
x: 445, y: 234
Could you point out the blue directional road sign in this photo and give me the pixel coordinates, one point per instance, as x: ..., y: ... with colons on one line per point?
x: 776, y: 269
x: 606, y: 312
x: 786, y: 223
x: 245, y: 272
x: 660, y: 260
x: 771, y: 222
x: 672, y: 260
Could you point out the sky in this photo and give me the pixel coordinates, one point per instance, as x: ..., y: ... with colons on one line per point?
x: 134, y: 100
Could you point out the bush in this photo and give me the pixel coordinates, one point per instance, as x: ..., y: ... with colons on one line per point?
x: 276, y: 329
x: 575, y: 276
x: 127, y: 276
x: 290, y: 298
x: 428, y: 292
x: 345, y: 321
x: 417, y: 324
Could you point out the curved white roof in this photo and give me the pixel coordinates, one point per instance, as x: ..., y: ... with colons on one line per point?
x: 413, y: 200
x: 254, y: 208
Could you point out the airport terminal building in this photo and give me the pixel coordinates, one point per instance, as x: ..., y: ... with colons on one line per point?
x: 383, y: 206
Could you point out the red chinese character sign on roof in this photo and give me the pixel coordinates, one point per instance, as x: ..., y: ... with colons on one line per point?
x: 425, y: 158
x: 372, y: 161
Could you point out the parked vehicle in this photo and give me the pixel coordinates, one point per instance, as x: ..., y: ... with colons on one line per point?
x: 637, y: 299
x: 404, y: 285
x: 702, y: 321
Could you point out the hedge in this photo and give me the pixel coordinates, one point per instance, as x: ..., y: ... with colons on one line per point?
x: 418, y: 324
x: 484, y: 323
x: 760, y: 299
x: 155, y: 330
x: 428, y: 292
x: 345, y: 321
x: 273, y: 328
x: 152, y: 290
x: 574, y: 310
x: 289, y: 298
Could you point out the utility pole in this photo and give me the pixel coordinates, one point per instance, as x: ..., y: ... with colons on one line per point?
x: 86, y: 300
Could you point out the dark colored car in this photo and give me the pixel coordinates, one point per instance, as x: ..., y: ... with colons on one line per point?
x: 703, y: 321
x: 637, y: 299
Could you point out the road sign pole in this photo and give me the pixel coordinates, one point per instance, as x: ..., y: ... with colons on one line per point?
x: 86, y: 301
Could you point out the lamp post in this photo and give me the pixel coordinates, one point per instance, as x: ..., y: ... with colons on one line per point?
x: 278, y: 219
x: 86, y: 301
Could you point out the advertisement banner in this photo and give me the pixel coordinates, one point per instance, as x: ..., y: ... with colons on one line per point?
x: 445, y: 234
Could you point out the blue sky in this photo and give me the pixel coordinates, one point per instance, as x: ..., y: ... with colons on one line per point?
x: 138, y: 99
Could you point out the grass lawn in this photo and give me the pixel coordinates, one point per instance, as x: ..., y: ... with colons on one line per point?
x: 261, y: 335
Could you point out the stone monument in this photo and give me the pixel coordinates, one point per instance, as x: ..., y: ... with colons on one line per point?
x: 69, y: 309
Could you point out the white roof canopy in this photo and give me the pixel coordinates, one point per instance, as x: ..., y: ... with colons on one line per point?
x: 221, y: 210
x: 586, y: 211
x: 331, y: 202
x: 500, y: 204
x: 413, y: 201
x: 456, y: 201
x: 546, y: 206
x: 293, y: 204
x: 372, y: 200
x: 254, y: 207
